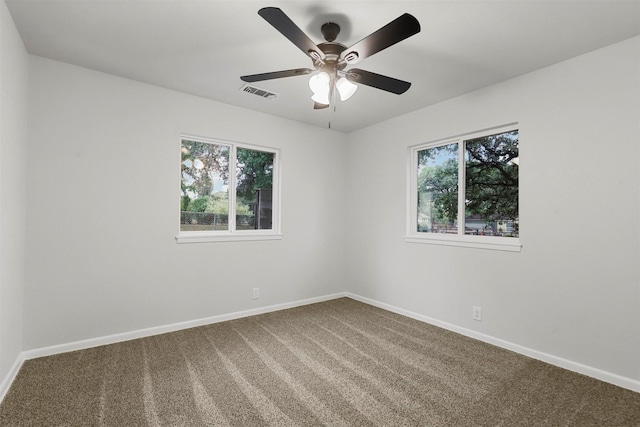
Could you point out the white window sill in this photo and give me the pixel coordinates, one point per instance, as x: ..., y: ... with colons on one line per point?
x: 194, y: 237
x: 509, y: 244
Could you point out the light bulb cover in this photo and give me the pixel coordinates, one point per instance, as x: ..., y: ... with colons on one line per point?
x: 319, y: 82
x: 321, y: 98
x: 345, y: 88
x: 319, y: 85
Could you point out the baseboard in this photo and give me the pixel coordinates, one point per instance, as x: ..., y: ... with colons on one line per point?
x: 6, y: 382
x: 599, y: 374
x: 142, y: 333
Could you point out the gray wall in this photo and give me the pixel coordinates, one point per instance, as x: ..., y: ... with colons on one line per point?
x: 13, y: 143
x: 574, y: 290
x: 104, y: 190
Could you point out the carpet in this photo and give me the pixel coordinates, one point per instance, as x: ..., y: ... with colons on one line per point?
x: 337, y: 363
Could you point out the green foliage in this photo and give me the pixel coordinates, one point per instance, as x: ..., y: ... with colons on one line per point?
x: 440, y: 182
x: 184, y: 202
x: 427, y: 156
x: 218, y: 203
x: 200, y: 204
x: 200, y: 162
x: 491, y: 179
x: 491, y: 176
x: 242, y: 209
x: 254, y: 171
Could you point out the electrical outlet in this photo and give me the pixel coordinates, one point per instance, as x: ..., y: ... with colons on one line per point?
x: 256, y: 293
x: 477, y: 313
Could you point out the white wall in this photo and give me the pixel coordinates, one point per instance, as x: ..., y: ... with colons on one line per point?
x: 104, y: 182
x: 574, y: 290
x: 13, y: 142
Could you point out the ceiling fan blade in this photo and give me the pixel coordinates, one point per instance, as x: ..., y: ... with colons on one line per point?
x: 395, y: 31
x: 318, y: 106
x: 276, y: 75
x: 281, y: 22
x: 378, y: 81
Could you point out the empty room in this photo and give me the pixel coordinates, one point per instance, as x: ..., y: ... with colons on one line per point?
x: 319, y: 213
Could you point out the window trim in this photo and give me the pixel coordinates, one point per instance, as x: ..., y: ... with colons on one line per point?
x: 237, y: 235
x: 509, y: 244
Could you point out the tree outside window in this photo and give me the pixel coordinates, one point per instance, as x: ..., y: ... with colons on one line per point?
x: 478, y: 177
x: 209, y: 196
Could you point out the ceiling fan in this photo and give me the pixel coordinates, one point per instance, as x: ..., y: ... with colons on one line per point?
x: 331, y: 59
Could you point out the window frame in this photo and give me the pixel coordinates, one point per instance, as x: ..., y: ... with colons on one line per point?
x: 510, y: 244
x: 233, y: 235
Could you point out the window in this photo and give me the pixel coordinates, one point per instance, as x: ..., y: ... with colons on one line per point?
x: 464, y: 191
x: 217, y: 205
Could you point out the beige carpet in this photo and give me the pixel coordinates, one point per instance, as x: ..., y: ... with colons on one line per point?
x: 338, y: 363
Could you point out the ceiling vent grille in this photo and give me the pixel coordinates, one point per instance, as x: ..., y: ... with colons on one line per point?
x: 259, y: 92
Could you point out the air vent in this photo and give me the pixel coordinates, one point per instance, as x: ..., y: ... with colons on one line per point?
x: 259, y: 92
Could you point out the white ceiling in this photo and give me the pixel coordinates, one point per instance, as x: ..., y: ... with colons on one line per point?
x: 203, y: 47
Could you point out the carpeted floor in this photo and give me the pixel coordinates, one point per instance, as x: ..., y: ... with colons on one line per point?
x: 338, y: 363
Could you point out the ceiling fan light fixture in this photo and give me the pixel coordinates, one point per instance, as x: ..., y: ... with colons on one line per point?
x: 321, y: 98
x: 319, y: 82
x: 319, y: 85
x: 345, y: 88
x: 330, y: 58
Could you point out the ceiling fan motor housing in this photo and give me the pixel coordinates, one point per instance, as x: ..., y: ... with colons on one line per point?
x: 330, y: 31
x: 332, y: 51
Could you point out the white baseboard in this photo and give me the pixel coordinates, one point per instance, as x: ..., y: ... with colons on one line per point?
x: 142, y: 333
x: 6, y: 382
x: 609, y: 377
x: 599, y: 374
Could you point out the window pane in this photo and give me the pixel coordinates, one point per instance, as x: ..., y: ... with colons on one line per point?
x: 254, y: 172
x: 491, y: 185
x: 438, y: 189
x: 204, y: 201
